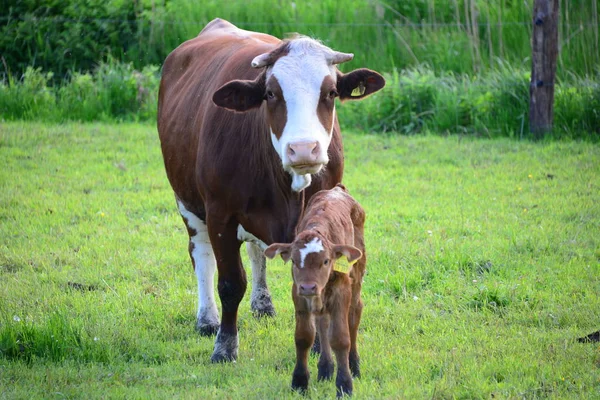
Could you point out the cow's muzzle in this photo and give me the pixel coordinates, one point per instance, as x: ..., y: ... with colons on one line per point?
x: 305, y: 157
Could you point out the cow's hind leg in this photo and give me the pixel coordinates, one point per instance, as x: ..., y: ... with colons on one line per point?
x: 260, y: 299
x: 203, y: 259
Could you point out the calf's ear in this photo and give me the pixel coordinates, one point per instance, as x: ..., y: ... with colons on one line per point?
x: 358, y: 84
x: 241, y: 95
x: 285, y: 250
x: 351, y: 252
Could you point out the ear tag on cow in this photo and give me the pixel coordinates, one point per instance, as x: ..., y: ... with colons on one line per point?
x: 342, y: 265
x: 359, y: 90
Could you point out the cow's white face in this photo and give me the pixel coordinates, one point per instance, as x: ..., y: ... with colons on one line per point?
x: 299, y: 86
x: 300, y: 95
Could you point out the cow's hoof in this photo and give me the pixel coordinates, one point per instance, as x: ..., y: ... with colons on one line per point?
x: 226, y: 348
x: 207, y: 329
x: 262, y: 305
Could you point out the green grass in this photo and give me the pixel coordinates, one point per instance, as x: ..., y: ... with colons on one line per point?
x: 484, y: 266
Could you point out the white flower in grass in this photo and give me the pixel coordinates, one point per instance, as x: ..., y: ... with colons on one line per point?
x: 16, y: 318
x: 96, y: 339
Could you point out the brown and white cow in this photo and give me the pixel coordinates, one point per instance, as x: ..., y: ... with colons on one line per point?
x: 248, y: 132
x: 332, y: 227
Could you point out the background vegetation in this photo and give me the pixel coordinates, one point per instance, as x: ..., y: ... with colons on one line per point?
x: 461, y: 36
x: 458, y: 66
x: 484, y: 267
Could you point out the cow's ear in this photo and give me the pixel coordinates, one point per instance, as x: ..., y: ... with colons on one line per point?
x: 285, y: 250
x: 358, y: 84
x: 350, y: 252
x: 239, y: 95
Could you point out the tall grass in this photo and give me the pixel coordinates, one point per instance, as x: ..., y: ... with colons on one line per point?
x: 462, y: 36
x: 459, y: 36
x: 415, y: 100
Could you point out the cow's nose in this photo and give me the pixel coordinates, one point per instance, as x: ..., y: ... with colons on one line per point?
x: 308, y: 289
x: 303, y: 152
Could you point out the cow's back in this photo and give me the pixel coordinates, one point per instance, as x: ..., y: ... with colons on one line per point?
x: 187, y: 117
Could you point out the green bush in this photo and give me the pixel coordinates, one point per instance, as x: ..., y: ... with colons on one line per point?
x: 414, y: 101
x: 464, y: 37
x: 27, y: 98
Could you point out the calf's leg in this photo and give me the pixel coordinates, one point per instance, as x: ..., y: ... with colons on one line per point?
x: 304, y: 337
x: 340, y: 343
x: 325, y: 365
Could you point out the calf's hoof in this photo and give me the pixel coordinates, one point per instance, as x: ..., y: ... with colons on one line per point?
x: 316, y: 347
x: 343, y: 386
x: 262, y: 305
x: 300, y: 381
x: 325, y: 370
x: 355, y: 366
x: 226, y: 348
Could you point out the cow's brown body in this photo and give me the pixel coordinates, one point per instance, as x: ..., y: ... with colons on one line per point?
x: 244, y: 149
x: 332, y: 226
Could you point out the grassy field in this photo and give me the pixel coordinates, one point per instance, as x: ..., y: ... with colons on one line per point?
x: 484, y: 267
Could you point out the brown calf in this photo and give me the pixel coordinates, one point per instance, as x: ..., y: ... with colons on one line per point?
x: 332, y: 227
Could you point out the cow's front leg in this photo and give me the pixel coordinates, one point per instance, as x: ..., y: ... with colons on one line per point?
x: 260, y: 299
x: 231, y: 286
x: 203, y: 260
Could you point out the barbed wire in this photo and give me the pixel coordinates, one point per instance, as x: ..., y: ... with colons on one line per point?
x: 387, y: 25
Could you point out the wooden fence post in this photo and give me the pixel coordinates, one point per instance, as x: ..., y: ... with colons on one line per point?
x: 544, y: 45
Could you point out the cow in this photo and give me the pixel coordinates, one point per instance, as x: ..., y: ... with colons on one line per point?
x: 332, y: 227
x: 248, y: 133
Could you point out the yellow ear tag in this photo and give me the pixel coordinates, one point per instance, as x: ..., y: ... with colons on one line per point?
x: 359, y: 90
x: 342, y: 265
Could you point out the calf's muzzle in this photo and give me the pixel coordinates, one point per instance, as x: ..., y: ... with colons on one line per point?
x: 307, y: 289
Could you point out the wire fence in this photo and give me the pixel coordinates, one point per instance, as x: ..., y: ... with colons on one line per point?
x: 386, y: 25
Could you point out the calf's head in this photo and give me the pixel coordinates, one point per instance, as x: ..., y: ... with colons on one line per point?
x: 299, y: 84
x: 312, y: 258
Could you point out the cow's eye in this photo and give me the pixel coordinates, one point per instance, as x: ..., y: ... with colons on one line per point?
x: 326, y: 262
x: 270, y: 95
x: 333, y: 94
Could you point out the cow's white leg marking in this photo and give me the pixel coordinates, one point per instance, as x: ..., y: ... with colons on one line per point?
x: 260, y: 299
x: 205, y: 266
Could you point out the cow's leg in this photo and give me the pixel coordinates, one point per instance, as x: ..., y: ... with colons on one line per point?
x: 203, y: 260
x: 325, y: 365
x: 304, y: 337
x: 260, y: 299
x: 231, y: 284
x: 340, y: 343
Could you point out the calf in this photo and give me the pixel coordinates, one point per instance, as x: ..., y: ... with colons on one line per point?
x: 332, y: 227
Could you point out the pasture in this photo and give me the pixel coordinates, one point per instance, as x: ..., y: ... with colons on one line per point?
x: 483, y: 268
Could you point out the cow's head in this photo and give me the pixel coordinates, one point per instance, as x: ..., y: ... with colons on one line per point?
x: 312, y: 258
x: 299, y: 85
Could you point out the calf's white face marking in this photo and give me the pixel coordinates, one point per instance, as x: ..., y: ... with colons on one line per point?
x: 314, y: 246
x: 298, y: 77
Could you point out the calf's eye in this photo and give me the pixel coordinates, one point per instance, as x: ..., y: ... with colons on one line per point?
x: 270, y: 95
x: 326, y: 262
